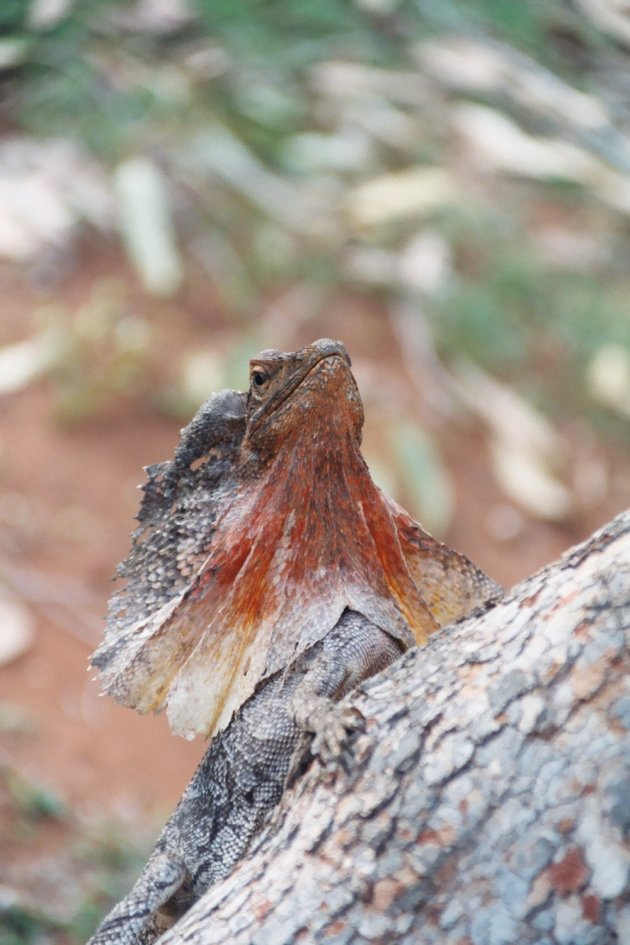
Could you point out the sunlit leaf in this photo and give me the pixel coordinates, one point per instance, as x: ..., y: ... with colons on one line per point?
x: 26, y: 361
x: 608, y: 378
x: 16, y: 630
x: 526, y: 451
x: 414, y: 192
x: 146, y: 225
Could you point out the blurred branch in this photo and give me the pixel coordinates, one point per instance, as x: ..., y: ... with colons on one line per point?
x: 612, y: 16
x: 485, y: 67
x: 217, y: 151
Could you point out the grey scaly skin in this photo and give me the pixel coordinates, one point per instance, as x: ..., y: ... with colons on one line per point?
x: 243, y: 775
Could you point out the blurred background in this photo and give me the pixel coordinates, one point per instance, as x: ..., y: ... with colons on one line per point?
x: 443, y: 186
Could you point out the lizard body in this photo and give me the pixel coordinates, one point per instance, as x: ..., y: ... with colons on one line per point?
x: 243, y: 775
x: 268, y: 577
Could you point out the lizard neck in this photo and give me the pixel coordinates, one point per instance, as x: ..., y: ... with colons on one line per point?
x: 311, y: 527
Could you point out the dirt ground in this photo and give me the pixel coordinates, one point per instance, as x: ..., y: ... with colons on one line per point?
x: 67, y: 499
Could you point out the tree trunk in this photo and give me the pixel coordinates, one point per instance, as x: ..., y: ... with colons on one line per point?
x: 488, y: 800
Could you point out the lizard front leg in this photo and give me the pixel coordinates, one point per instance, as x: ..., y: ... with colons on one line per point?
x: 355, y: 650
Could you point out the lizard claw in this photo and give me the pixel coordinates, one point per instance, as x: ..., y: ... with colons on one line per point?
x: 332, y: 732
x: 331, y: 729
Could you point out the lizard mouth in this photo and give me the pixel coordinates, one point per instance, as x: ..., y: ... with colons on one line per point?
x: 320, y: 351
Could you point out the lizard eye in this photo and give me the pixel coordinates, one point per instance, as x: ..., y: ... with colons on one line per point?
x: 259, y: 379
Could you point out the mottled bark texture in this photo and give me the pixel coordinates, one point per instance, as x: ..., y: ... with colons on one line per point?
x: 488, y: 800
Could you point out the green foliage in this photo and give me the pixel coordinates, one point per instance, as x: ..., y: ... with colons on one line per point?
x: 13, y: 15
x: 125, y: 92
x: 554, y: 33
x: 21, y: 925
x: 33, y: 802
x: 90, y: 866
x: 292, y: 36
x: 512, y: 311
x: 76, y: 82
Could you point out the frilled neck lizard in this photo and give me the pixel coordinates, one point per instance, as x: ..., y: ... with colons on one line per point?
x: 268, y: 577
x: 253, y: 542
x: 257, y: 537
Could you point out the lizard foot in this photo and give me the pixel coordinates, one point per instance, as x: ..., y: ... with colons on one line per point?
x: 331, y: 724
x: 332, y: 729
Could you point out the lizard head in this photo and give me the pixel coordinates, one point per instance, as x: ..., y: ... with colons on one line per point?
x: 299, y: 395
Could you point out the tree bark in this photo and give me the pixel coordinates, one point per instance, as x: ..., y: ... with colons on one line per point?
x: 488, y: 800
